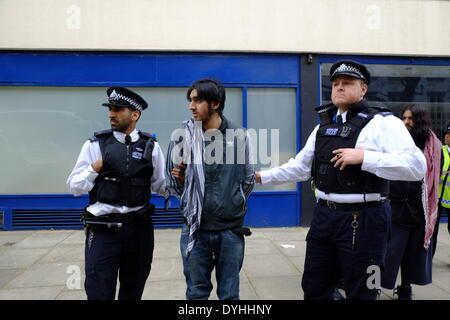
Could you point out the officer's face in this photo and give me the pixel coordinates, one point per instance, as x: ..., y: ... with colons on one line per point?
x: 347, y: 91
x: 407, y: 119
x: 122, y: 119
x: 200, y: 109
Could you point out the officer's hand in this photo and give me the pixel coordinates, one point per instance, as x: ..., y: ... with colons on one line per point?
x: 97, y: 165
x: 347, y: 156
x: 257, y: 177
x: 178, y: 172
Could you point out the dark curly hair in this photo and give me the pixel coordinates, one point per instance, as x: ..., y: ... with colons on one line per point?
x: 421, y: 129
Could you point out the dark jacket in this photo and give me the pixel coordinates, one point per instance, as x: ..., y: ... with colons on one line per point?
x: 227, y: 186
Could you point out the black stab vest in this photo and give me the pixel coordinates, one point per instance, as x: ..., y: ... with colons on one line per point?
x: 127, y: 169
x: 331, y: 136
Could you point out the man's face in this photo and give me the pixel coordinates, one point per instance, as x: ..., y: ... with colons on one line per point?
x: 200, y: 109
x: 347, y: 91
x: 121, y: 118
x: 407, y: 119
x: 447, y: 139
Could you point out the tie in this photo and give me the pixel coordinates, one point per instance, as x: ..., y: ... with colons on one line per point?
x: 339, y: 119
x: 127, y: 139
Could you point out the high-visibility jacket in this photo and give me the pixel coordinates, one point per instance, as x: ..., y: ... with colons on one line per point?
x: 444, y: 195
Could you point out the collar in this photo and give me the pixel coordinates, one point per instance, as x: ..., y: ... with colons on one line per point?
x: 120, y: 136
x: 357, y: 108
x: 343, y: 115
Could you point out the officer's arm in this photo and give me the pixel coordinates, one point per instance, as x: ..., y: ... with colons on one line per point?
x: 391, y: 152
x: 81, y: 179
x: 158, y: 180
x: 296, y: 169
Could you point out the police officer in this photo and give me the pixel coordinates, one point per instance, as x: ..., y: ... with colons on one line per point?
x: 119, y: 168
x: 444, y: 187
x: 350, y: 155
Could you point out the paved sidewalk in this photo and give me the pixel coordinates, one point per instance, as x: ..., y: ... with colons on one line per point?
x: 44, y: 265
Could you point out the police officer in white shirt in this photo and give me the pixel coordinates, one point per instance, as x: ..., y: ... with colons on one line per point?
x: 350, y: 155
x: 119, y: 168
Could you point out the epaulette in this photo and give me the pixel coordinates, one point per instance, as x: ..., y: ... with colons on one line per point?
x: 382, y: 111
x: 326, y: 112
x: 147, y: 135
x: 99, y: 134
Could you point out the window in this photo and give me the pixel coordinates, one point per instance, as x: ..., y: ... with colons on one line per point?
x: 395, y: 86
x: 42, y: 129
x: 273, y: 108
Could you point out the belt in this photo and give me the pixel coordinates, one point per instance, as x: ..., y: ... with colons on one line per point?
x: 349, y: 206
x: 118, y: 220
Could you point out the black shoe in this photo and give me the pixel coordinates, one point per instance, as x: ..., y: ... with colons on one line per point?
x: 337, y: 295
x: 404, y: 292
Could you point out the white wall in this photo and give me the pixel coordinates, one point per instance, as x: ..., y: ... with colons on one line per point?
x: 397, y: 27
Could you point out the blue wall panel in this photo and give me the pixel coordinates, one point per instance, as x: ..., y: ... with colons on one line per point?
x: 266, y: 209
x: 69, y: 69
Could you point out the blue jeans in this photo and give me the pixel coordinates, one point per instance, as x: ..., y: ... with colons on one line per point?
x: 222, y: 250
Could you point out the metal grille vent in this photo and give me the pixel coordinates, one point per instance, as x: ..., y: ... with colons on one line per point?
x: 70, y: 218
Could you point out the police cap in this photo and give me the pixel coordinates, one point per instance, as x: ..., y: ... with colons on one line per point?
x: 123, y: 97
x: 351, y: 69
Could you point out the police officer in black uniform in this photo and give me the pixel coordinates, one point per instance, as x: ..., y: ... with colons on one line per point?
x: 351, y: 154
x: 119, y: 168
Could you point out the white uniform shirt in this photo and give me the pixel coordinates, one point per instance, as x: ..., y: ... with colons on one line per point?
x: 82, y: 178
x: 390, y: 153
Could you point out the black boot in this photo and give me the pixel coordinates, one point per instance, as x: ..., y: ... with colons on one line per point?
x: 404, y: 292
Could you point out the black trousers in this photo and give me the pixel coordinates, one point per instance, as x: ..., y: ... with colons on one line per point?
x: 125, y: 252
x: 332, y: 253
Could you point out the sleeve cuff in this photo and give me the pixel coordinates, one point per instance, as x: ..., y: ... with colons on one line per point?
x: 265, y: 177
x: 92, y: 174
x: 371, y: 161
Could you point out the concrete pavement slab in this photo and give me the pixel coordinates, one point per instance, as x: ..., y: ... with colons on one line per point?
x: 43, y: 239
x: 259, y: 246
x: 38, y: 293
x: 17, y: 258
x: 166, y: 290
x: 429, y: 292
x: 10, y: 238
x: 64, y: 253
x: 277, y: 288
x: 47, y: 275
x: 167, y: 249
x: 268, y: 266
x: 166, y: 269
x: 167, y: 235
x: 6, y: 275
x: 298, y: 262
x: 292, y: 248
x: 282, y: 234
x: 71, y: 295
x: 76, y: 237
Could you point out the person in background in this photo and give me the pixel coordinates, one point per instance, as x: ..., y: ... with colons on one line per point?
x: 414, y: 212
x: 444, y: 187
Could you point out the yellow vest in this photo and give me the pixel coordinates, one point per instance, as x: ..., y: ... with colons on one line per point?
x: 445, y: 178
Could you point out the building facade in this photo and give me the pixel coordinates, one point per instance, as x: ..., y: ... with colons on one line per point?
x: 58, y: 57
